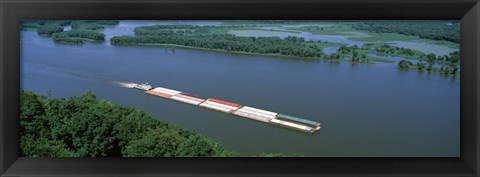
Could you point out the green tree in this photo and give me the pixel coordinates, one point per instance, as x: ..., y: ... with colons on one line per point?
x: 421, y: 66
x: 32, y: 113
x: 43, y: 147
x: 197, y: 146
x: 430, y: 67
x: 49, y: 30
x: 431, y: 57
x: 405, y: 65
x: 83, y: 126
x: 157, y: 142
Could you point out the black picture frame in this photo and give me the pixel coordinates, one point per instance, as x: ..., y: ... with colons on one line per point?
x: 12, y: 11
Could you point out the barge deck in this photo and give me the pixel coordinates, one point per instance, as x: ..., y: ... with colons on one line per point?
x: 261, y: 115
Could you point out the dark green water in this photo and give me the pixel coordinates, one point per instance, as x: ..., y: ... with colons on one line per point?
x: 365, y: 110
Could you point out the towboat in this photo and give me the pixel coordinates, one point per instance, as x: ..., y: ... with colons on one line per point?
x: 143, y: 86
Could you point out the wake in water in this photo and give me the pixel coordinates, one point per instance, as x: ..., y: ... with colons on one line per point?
x: 125, y: 84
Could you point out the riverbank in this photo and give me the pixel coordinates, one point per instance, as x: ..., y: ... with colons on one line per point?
x: 84, y: 126
x: 305, y: 89
x: 260, y: 54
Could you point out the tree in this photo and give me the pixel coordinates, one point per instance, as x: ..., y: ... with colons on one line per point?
x: 405, y: 65
x: 454, y: 70
x: 421, y: 66
x: 49, y: 30
x: 157, y: 142
x: 32, y: 112
x: 431, y: 58
x: 197, y: 146
x: 83, y: 126
x: 202, y: 37
x: 430, y: 67
x: 78, y: 36
x: 43, y: 147
x: 354, y: 56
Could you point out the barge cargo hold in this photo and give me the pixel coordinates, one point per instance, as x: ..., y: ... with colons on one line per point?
x: 236, y: 109
x: 218, y: 106
x: 187, y: 99
x: 256, y: 114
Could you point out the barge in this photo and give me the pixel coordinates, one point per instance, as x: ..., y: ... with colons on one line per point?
x: 261, y: 115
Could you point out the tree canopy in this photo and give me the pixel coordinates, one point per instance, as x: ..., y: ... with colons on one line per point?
x: 201, y: 37
x: 78, y: 36
x: 83, y: 126
x: 429, y: 29
x: 82, y: 30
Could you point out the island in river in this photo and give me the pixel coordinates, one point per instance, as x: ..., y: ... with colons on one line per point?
x: 350, y: 75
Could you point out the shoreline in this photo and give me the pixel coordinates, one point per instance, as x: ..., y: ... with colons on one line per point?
x: 312, y: 59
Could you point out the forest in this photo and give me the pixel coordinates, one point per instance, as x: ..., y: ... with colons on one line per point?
x: 428, y: 29
x: 78, y: 36
x: 82, y: 30
x: 209, y: 37
x: 428, y: 61
x: 84, y: 126
x: 200, y: 38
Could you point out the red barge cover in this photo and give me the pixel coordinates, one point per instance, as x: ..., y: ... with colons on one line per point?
x: 159, y: 94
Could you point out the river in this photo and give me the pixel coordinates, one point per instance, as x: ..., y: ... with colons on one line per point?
x: 365, y: 110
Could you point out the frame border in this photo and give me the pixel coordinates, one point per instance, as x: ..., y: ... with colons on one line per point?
x: 11, y: 11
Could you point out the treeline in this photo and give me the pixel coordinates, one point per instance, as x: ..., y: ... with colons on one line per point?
x: 386, y: 49
x: 359, y: 54
x: 172, y: 29
x: 83, y: 126
x: 351, y: 52
x: 36, y: 24
x: 450, y: 62
x: 93, y: 24
x: 424, y: 66
x: 44, y: 27
x: 78, y: 36
x: 49, y: 30
x: 82, y: 30
x: 86, y: 127
x: 429, y: 29
x: 197, y: 37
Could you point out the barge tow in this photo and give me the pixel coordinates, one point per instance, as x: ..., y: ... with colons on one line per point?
x: 261, y: 115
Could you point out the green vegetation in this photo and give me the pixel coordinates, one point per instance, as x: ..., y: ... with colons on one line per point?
x: 34, y: 25
x: 424, y: 66
x: 451, y: 64
x: 83, y: 126
x: 93, y: 24
x: 86, y: 127
x: 44, y: 27
x: 405, y: 65
x: 330, y: 28
x: 352, y: 31
x: 200, y: 37
x: 49, y: 30
x: 78, y: 36
x: 82, y: 30
x: 360, y: 55
x: 217, y: 38
x: 429, y: 29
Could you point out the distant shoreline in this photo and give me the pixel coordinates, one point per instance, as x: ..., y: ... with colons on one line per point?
x: 258, y: 54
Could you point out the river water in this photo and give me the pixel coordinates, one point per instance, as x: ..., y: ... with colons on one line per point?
x: 365, y: 110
